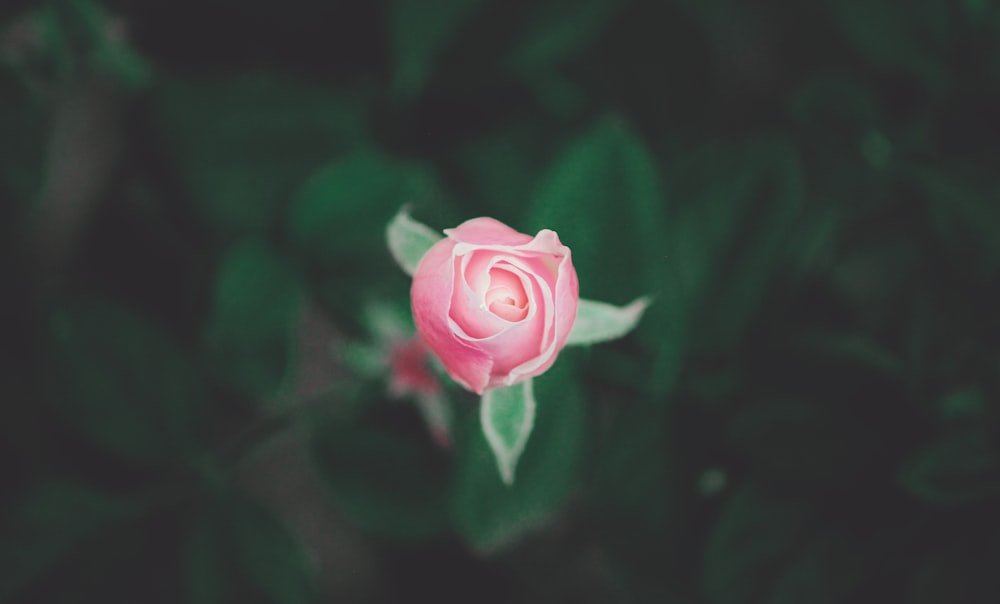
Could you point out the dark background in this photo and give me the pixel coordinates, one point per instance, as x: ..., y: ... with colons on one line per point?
x: 193, y: 196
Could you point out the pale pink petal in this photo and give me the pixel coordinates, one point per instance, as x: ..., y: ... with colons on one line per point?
x: 486, y: 231
x: 565, y: 304
x: 468, y: 304
x: 430, y: 295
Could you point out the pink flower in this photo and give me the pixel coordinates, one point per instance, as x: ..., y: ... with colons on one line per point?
x: 495, y: 305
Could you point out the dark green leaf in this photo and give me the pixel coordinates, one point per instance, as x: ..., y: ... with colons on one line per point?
x: 420, y: 31
x: 491, y: 515
x: 757, y: 533
x: 502, y: 167
x: 960, y: 468
x: 205, y: 563
x: 342, y: 210
x: 898, y: 36
x: 389, y: 483
x: 603, y: 196
x: 238, y: 549
x: 269, y: 553
x: 49, y: 524
x: 256, y: 304
x: 826, y: 571
x: 108, y: 50
x: 246, y: 143
x: 636, y: 492
x: 557, y: 30
x: 121, y: 381
x: 740, y: 204
x: 22, y: 136
x: 603, y: 186
x: 961, y: 213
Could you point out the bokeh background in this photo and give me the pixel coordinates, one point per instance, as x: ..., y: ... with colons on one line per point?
x: 197, y: 302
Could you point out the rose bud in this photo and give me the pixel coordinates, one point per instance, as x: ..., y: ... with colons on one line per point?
x: 493, y: 304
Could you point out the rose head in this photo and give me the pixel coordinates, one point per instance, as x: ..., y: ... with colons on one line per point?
x: 495, y: 305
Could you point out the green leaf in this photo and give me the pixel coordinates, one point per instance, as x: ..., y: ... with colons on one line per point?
x: 507, y: 415
x: 727, y: 240
x: 205, y: 563
x: 638, y: 490
x: 409, y: 240
x: 419, y: 32
x: 269, y: 553
x: 756, y: 533
x: 388, y: 482
x: 604, y: 198
x: 827, y: 570
x: 22, y: 143
x: 237, y: 550
x: 961, y: 468
x: 342, y: 210
x: 54, y: 521
x: 898, y: 36
x: 504, y: 166
x: 490, y: 514
x: 121, y: 381
x: 256, y: 304
x: 600, y: 322
x: 961, y: 213
x: 555, y: 33
x: 604, y: 185
x: 246, y: 143
x: 557, y: 30
x: 108, y: 49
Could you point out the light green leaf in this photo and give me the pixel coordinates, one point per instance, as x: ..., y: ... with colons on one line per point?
x: 409, y: 240
x: 507, y: 415
x: 600, y: 322
x: 490, y: 515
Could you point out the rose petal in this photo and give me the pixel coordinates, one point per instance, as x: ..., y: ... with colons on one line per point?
x: 564, y: 307
x: 505, y: 285
x: 486, y: 231
x: 431, y: 294
x: 468, y: 303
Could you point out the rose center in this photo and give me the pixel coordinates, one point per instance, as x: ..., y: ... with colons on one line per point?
x: 505, y: 296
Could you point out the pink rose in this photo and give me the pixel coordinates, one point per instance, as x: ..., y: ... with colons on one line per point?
x: 495, y: 305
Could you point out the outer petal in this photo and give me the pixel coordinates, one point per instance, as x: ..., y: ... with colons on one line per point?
x: 486, y: 231
x: 566, y: 300
x: 430, y: 296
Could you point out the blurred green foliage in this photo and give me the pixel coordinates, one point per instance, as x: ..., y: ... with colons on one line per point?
x: 193, y: 197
